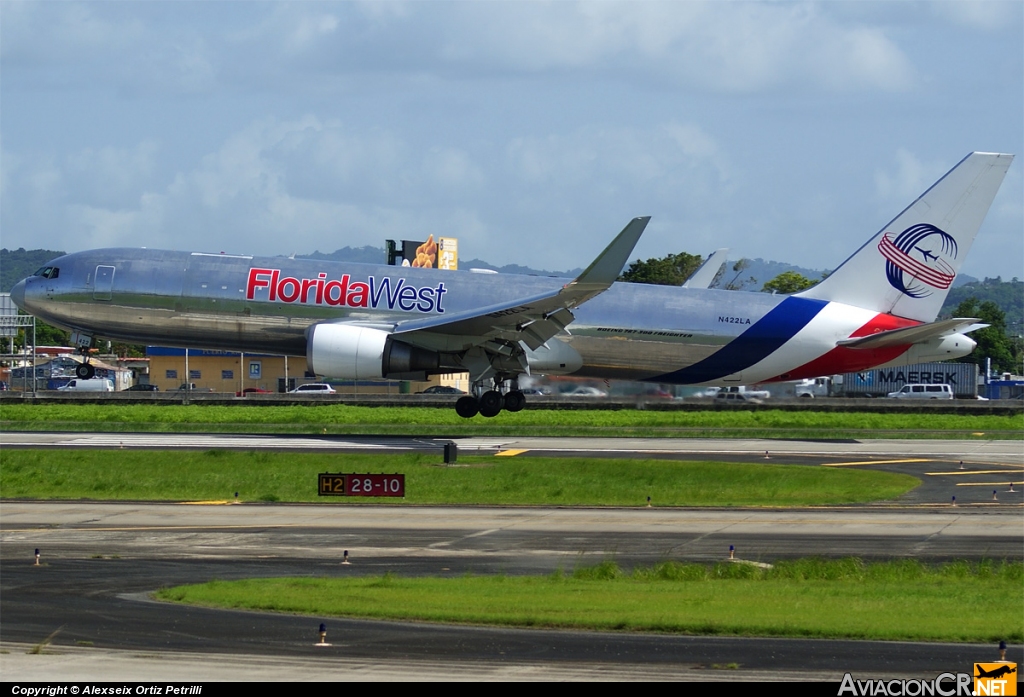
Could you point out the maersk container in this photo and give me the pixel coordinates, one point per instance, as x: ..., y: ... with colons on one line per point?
x: 962, y: 377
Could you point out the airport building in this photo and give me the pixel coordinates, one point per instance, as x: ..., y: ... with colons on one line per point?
x: 229, y: 371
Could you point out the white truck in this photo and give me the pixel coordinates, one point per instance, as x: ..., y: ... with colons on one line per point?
x: 93, y: 385
x: 813, y: 387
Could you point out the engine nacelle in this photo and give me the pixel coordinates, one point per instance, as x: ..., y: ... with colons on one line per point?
x: 942, y: 348
x: 554, y: 358
x: 363, y: 353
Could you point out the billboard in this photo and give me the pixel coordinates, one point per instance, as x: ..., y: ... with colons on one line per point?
x: 440, y: 254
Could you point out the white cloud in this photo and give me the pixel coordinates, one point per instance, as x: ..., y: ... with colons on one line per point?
x: 732, y: 47
x: 108, y: 175
x: 988, y: 15
x: 909, y: 179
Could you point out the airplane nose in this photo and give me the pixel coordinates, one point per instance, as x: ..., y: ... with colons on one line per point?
x: 18, y: 294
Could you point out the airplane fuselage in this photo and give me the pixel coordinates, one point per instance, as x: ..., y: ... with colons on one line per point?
x: 631, y: 331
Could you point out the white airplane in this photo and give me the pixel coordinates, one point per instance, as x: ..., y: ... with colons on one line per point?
x: 359, y: 321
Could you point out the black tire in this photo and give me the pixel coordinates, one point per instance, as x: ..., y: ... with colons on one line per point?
x: 515, y: 401
x: 490, y: 403
x: 467, y: 407
x: 85, y: 371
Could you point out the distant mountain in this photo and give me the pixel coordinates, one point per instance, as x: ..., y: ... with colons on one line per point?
x: 356, y: 255
x: 16, y: 264
x: 378, y: 255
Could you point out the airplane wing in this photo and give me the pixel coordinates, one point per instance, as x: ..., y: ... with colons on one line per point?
x: 703, y: 276
x: 913, y: 335
x: 532, y: 320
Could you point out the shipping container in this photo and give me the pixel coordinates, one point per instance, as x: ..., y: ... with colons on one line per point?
x: 962, y: 377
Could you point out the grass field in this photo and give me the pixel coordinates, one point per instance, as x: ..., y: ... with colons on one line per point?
x: 900, y: 600
x: 345, y: 419
x: 263, y: 476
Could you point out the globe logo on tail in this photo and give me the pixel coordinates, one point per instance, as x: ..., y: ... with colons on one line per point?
x: 915, y: 259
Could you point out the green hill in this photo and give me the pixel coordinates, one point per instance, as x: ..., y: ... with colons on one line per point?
x: 15, y: 264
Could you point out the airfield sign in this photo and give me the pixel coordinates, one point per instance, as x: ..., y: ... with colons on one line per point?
x: 339, y: 484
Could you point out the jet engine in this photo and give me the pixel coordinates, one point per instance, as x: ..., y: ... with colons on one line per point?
x: 941, y: 348
x: 360, y: 353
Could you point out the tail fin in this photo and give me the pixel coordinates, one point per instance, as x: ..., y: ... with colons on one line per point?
x: 908, y: 267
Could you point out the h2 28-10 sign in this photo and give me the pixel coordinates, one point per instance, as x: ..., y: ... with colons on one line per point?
x: 361, y: 484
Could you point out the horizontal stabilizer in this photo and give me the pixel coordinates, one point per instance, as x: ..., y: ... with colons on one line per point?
x: 914, y: 335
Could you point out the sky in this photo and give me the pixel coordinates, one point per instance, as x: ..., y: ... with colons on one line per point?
x: 531, y: 131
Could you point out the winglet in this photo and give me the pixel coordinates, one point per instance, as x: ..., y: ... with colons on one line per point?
x: 603, y: 271
x: 705, y: 275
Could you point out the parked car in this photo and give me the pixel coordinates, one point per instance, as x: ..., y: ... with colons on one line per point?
x: 727, y: 395
x: 584, y: 391
x: 441, y: 389
x: 142, y: 387
x: 92, y: 385
x: 252, y: 390
x: 748, y: 393
x: 536, y: 390
x: 193, y: 388
x: 314, y: 388
x: 923, y: 392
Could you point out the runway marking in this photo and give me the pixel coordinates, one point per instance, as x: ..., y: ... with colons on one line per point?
x: 156, y: 527
x: 206, y: 503
x: 988, y: 483
x: 510, y: 453
x: 875, y: 462
x: 962, y: 472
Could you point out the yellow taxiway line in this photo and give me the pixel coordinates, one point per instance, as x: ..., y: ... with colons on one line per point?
x: 874, y: 462
x: 510, y: 453
x: 961, y: 472
x: 989, y: 483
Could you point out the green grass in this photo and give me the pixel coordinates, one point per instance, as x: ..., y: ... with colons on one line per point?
x: 266, y: 476
x: 340, y: 418
x: 901, y: 600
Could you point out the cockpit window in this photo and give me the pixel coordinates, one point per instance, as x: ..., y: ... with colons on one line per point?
x: 48, y: 272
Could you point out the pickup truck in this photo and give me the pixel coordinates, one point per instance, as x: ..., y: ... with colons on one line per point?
x: 741, y: 392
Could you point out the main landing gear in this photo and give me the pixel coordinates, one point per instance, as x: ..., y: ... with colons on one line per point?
x: 490, y: 403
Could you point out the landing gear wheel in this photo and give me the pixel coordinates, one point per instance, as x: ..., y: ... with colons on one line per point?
x: 467, y: 407
x: 490, y: 403
x: 85, y: 371
x: 515, y: 401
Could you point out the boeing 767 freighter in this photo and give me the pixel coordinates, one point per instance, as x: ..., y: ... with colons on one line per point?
x: 361, y: 321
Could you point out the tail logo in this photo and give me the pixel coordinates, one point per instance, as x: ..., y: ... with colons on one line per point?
x: 916, y: 258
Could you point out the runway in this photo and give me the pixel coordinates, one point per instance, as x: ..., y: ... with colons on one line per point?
x: 99, y: 561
